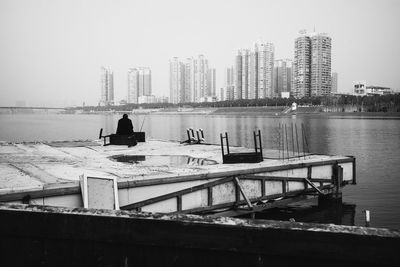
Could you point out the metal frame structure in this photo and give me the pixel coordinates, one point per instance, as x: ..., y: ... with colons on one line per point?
x: 243, y: 204
x: 242, y: 157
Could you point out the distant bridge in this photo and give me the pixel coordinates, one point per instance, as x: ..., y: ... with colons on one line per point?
x: 45, y: 108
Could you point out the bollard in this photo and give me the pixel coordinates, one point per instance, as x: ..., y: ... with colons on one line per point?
x: 367, y: 218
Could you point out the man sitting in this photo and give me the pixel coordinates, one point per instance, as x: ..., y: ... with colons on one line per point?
x: 125, y: 127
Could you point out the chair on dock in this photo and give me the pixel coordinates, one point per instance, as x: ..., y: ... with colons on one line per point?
x: 116, y: 139
x: 191, y: 138
x: 242, y: 157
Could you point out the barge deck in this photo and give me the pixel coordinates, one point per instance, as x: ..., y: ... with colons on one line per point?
x: 165, y: 176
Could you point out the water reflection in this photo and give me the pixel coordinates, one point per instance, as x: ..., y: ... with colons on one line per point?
x: 163, y: 160
x: 340, y: 214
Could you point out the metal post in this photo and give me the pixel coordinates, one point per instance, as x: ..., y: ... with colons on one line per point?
x: 279, y: 141
x: 259, y: 139
x: 287, y: 143
x: 222, y: 144
x: 297, y: 141
x: 255, y: 141
x: 227, y: 142
x: 292, y: 141
x: 283, y: 143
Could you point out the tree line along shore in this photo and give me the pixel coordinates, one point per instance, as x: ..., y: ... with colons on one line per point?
x: 343, y: 103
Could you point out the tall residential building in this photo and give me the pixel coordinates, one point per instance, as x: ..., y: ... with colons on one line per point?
x: 254, y: 71
x: 191, y: 81
x: 245, y: 73
x: 139, y: 83
x: 252, y: 92
x: 312, y: 65
x: 266, y: 53
x: 176, y: 81
x: 321, y: 46
x: 107, y: 87
x: 201, y: 72
x: 334, y: 82
x: 282, y: 81
x: 190, y: 68
x: 229, y: 84
x: 302, y: 66
x: 133, y: 86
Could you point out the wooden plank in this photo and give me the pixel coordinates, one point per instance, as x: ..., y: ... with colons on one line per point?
x: 313, y: 186
x: 243, y: 193
x: 280, y: 178
x: 175, y: 194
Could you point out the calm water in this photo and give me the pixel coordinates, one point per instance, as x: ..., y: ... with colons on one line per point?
x: 374, y: 141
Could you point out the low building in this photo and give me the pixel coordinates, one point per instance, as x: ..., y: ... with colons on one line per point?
x: 360, y: 88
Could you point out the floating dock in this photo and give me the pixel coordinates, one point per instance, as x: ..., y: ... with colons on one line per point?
x: 166, y: 176
x: 161, y: 188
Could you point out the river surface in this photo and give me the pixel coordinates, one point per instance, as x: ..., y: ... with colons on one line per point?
x: 373, y: 140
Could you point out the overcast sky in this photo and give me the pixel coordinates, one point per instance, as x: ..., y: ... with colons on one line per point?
x: 51, y: 51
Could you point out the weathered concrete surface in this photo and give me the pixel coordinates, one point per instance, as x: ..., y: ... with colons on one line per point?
x: 37, y: 165
x: 49, y: 236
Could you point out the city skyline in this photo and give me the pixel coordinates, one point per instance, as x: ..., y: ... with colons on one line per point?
x: 51, y: 50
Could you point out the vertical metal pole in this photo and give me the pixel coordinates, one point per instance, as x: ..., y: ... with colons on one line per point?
x: 292, y: 140
x: 302, y: 139
x: 279, y: 141
x: 259, y: 139
x: 255, y: 141
x: 297, y: 141
x: 222, y: 144
x: 227, y: 142
x: 287, y: 143
x: 305, y: 138
x: 283, y: 143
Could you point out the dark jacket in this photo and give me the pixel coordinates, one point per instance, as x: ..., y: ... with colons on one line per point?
x: 125, y: 127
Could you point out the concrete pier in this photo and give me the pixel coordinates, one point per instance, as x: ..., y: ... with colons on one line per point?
x: 54, y: 236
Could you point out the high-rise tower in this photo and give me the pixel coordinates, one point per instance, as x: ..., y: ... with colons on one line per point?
x: 139, y: 83
x: 282, y: 77
x: 321, y: 45
x: 312, y: 65
x: 254, y: 69
x: 191, y: 81
x: 265, y: 66
x: 176, y: 81
x: 302, y: 66
x: 107, y: 87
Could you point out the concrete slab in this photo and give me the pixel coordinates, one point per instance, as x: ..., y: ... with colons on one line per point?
x: 37, y: 164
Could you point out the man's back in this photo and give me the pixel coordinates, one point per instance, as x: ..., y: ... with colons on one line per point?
x: 125, y: 127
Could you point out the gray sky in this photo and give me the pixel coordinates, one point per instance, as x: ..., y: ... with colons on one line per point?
x: 51, y: 51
